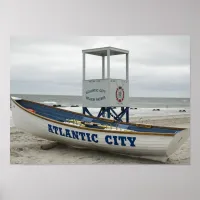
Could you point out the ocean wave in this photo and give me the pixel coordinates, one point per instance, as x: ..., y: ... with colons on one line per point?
x: 49, y: 102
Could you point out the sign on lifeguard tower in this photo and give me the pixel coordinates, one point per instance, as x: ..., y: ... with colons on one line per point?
x: 105, y: 92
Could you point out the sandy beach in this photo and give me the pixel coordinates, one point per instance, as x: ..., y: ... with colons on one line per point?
x: 26, y: 149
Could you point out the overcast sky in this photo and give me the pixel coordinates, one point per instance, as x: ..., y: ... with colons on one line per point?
x: 159, y: 66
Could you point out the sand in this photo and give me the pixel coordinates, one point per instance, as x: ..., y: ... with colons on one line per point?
x: 26, y: 149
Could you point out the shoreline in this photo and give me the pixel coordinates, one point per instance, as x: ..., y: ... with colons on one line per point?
x: 26, y: 149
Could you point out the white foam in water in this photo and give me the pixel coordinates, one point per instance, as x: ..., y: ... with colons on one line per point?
x: 49, y: 102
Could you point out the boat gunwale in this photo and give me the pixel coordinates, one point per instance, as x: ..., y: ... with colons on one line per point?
x: 94, y: 129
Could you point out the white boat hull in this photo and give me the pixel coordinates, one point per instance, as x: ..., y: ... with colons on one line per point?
x: 146, y: 146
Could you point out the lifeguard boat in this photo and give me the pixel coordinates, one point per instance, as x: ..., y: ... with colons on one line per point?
x: 97, y: 132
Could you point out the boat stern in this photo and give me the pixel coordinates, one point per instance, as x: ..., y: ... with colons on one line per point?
x: 178, y: 140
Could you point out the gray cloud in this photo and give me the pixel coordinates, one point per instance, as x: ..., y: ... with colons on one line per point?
x: 159, y: 65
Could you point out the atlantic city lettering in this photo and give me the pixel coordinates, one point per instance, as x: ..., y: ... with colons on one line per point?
x: 91, y: 137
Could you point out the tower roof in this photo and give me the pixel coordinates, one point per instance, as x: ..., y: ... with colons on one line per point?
x: 103, y: 51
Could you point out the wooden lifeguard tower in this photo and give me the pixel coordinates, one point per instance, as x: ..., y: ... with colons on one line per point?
x: 106, y: 93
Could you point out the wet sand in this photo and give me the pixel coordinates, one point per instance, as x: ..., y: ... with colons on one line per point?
x: 26, y: 149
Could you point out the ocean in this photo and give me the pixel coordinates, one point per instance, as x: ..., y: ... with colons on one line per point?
x: 136, y: 102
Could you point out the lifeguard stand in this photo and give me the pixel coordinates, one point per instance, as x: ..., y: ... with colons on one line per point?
x: 106, y: 93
